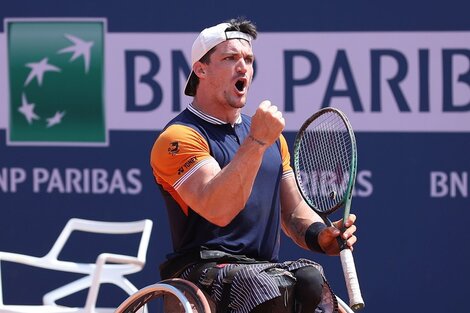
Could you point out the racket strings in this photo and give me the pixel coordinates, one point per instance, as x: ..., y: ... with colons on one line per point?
x: 325, y: 153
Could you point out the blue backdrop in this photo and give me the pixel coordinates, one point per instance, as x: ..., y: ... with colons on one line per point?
x: 412, y: 248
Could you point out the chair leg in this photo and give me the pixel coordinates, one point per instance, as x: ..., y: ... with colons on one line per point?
x: 125, y: 285
x: 52, y: 296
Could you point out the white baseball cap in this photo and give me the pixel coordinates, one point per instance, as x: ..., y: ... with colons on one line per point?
x: 208, y: 39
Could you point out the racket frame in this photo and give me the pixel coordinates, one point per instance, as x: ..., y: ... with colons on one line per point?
x: 347, y: 260
x: 346, y: 201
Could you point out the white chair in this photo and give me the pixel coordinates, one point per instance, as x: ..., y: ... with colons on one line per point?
x: 109, y: 268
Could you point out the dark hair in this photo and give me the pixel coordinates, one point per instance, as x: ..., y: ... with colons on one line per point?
x: 243, y: 25
x: 240, y: 24
x: 236, y: 24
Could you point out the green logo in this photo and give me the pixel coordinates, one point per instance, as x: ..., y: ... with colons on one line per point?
x: 56, y: 76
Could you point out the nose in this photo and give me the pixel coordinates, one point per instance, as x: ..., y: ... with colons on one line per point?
x: 242, y: 66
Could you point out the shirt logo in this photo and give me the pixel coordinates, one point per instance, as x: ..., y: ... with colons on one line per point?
x: 174, y: 148
x: 56, y: 75
x: 187, y: 165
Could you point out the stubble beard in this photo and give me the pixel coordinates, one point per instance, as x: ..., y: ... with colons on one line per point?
x: 236, y: 102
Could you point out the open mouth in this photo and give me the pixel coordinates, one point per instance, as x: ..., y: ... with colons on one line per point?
x: 240, y: 85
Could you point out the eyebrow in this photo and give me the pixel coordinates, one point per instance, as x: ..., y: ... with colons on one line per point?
x: 237, y: 52
x: 233, y: 52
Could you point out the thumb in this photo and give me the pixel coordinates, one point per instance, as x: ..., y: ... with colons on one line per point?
x: 327, y: 239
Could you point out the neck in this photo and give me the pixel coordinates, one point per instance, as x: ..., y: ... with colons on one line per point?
x: 222, y: 112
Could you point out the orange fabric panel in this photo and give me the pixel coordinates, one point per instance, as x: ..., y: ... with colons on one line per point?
x: 175, y: 152
x: 285, y: 155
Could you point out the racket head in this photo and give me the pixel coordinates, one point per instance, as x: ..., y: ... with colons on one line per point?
x: 325, y: 160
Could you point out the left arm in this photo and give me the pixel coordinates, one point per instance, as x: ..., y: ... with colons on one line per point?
x: 297, y: 216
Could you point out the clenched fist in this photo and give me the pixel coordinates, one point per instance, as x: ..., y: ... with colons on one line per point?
x: 266, y: 124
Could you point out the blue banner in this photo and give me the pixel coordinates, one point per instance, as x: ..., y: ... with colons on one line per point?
x: 399, y: 73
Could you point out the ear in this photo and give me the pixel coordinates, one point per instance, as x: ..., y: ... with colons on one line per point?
x: 199, y: 69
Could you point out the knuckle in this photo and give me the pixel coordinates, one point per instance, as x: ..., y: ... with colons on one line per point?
x: 265, y: 104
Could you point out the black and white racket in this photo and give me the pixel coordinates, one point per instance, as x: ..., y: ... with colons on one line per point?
x: 325, y: 164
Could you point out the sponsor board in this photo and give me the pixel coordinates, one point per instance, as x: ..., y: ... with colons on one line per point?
x: 87, y: 181
x: 384, y: 81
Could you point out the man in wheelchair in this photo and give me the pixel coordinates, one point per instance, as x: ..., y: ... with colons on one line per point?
x: 229, y: 189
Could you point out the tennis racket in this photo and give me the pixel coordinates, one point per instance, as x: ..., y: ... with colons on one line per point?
x: 325, y: 164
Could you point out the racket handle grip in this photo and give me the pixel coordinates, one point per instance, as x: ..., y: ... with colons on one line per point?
x: 352, y: 283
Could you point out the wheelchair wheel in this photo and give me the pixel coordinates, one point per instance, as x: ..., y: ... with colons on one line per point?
x: 179, y: 296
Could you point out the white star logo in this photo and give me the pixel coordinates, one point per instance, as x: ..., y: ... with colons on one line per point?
x: 38, y: 69
x: 27, y: 109
x: 79, y: 48
x: 56, y: 119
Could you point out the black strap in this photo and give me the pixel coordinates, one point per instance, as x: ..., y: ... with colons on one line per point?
x: 177, y: 264
x: 224, y: 257
x: 198, y: 269
x: 210, y: 276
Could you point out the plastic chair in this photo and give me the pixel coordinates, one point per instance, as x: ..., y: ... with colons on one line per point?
x: 109, y: 267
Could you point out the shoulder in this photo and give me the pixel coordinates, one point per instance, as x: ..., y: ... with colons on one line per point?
x: 176, y: 136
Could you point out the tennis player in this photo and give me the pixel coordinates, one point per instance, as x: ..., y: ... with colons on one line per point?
x: 229, y: 189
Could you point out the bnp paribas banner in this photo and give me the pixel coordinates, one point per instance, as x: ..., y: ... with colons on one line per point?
x: 68, y: 81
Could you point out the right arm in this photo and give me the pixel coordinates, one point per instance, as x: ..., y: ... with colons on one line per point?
x: 218, y: 194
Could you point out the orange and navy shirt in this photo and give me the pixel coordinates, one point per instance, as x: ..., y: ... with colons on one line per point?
x: 193, y: 139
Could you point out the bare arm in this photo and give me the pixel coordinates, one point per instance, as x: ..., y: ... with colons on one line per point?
x: 219, y: 195
x: 297, y: 216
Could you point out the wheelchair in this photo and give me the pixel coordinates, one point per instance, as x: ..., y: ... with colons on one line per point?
x: 180, y: 296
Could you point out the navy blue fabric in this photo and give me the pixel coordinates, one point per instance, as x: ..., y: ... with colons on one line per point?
x: 255, y: 231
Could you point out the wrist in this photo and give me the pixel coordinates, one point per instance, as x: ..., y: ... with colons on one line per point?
x: 311, y: 236
x: 256, y: 140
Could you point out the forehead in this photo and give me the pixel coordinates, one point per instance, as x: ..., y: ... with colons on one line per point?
x: 234, y: 46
